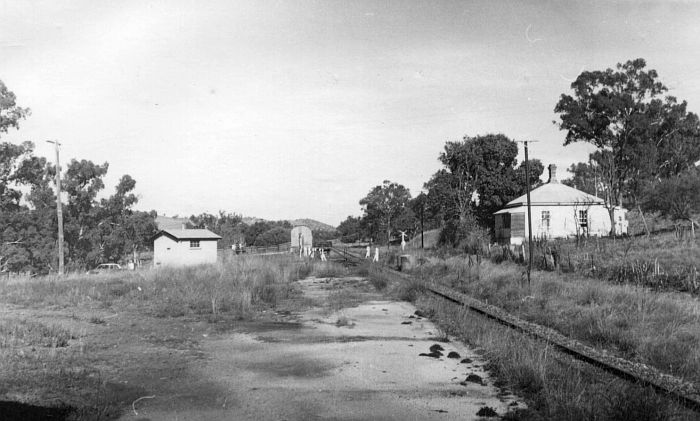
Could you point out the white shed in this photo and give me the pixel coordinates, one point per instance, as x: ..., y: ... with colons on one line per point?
x: 558, y: 211
x: 301, y: 237
x: 180, y: 247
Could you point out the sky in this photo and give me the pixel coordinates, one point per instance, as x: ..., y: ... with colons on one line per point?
x: 296, y: 109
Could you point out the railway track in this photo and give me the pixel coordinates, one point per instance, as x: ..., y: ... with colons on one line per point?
x: 685, y: 393
x: 345, y: 256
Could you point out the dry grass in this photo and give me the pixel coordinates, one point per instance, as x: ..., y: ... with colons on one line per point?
x: 662, y: 262
x: 18, y: 332
x: 660, y: 329
x: 555, y: 387
x: 235, y: 287
x: 329, y: 270
x: 51, y: 353
x: 343, y: 298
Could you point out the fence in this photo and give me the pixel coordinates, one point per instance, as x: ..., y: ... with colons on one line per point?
x: 277, y: 248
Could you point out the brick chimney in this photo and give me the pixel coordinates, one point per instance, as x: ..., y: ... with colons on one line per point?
x: 184, y: 226
x: 553, y: 174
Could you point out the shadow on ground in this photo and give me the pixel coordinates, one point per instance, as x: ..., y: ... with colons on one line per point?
x: 11, y: 411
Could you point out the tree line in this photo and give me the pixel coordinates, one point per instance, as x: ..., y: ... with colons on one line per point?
x: 233, y: 230
x: 95, y: 230
x: 647, y: 151
x: 479, y: 175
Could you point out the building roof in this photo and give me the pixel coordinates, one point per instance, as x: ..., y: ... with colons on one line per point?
x: 193, y: 234
x: 554, y: 194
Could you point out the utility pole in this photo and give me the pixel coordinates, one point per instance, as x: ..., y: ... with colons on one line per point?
x: 59, y: 212
x: 529, y: 213
x: 422, y: 210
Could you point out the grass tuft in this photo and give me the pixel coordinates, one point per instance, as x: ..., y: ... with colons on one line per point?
x: 18, y: 332
x: 329, y: 270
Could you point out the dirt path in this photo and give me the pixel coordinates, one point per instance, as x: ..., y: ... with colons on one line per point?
x: 357, y: 363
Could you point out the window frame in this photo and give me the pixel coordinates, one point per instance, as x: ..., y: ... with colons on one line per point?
x: 194, y: 244
x: 546, y: 220
x: 582, y: 218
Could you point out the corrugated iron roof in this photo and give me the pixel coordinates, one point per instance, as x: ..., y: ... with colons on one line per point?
x: 193, y: 234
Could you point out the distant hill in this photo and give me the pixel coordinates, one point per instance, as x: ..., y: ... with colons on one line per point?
x: 311, y: 223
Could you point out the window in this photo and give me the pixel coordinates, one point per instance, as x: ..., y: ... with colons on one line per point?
x: 545, y: 220
x: 583, y: 218
x: 194, y: 244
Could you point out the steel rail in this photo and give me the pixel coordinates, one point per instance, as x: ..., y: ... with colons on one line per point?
x: 347, y: 256
x: 685, y: 393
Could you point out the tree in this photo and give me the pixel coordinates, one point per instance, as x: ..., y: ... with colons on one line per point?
x: 677, y: 197
x: 84, y: 226
x: 28, y: 229
x: 446, y: 199
x: 407, y: 222
x: 253, y: 231
x: 273, y: 236
x: 479, y: 177
x: 382, y: 205
x: 585, y: 177
x: 637, y: 130
x: 350, y: 229
x: 138, y: 229
x: 229, y: 226
x: 205, y: 221
x: 10, y: 112
x: 120, y: 229
x: 12, y: 160
x: 95, y: 231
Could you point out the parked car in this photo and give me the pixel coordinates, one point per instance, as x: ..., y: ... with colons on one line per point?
x: 105, y: 268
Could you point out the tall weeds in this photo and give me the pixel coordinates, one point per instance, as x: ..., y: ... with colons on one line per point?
x: 235, y: 286
x: 555, y: 387
x: 661, y: 262
x: 659, y: 329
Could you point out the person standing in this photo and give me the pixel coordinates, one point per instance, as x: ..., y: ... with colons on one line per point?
x: 376, y: 254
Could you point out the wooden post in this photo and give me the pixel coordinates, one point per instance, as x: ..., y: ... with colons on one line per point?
x: 529, y: 216
x: 59, y: 211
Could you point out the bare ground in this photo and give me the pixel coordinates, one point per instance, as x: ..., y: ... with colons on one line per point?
x: 340, y: 351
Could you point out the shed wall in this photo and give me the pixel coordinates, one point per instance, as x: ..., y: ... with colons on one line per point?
x: 306, y: 237
x: 168, y: 252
